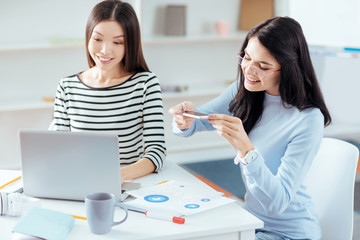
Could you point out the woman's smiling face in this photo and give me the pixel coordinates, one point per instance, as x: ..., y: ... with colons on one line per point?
x: 256, y: 58
x: 106, y: 45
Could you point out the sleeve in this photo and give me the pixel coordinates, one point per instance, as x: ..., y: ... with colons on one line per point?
x: 61, y: 119
x: 274, y: 193
x: 218, y: 105
x: 154, y: 137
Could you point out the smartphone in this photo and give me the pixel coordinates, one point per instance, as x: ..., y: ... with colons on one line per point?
x: 197, y: 115
x: 130, y: 186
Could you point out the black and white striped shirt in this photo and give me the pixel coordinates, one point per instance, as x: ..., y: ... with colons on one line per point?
x: 133, y: 110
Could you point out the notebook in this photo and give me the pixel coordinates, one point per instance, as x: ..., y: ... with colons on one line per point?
x: 69, y: 165
x: 41, y: 223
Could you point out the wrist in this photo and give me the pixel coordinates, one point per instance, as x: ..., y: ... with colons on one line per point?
x: 248, y: 158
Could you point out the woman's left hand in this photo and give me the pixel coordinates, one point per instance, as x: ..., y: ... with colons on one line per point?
x: 232, y: 130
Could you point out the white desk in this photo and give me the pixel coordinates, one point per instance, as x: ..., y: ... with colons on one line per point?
x: 226, y: 222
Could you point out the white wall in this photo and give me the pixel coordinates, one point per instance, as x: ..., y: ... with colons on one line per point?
x: 336, y: 22
x: 31, y: 71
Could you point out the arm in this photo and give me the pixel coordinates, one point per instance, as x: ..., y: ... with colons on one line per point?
x: 61, y: 119
x: 273, y: 185
x: 153, y: 133
x: 274, y: 192
x: 141, y: 168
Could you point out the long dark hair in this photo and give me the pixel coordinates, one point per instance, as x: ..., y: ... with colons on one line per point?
x: 125, y: 15
x: 284, y: 39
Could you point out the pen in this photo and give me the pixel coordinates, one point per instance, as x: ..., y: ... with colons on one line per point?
x: 79, y: 217
x: 163, y: 215
x: 10, y: 182
x: 161, y: 182
x: 158, y: 214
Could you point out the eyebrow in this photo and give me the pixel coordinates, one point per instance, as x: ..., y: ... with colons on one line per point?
x: 263, y: 62
x: 113, y: 37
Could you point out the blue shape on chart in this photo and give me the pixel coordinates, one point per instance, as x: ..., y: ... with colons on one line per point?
x: 156, y: 198
x: 192, y: 206
x: 182, y: 186
x: 205, y: 200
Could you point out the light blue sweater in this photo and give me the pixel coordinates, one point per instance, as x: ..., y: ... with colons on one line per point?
x: 287, y: 140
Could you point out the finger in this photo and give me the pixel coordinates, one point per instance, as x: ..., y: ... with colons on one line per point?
x: 183, y: 124
x: 223, y: 117
x: 176, y: 110
x: 231, y: 139
x: 182, y: 120
x: 224, y: 130
x: 232, y: 123
x: 179, y: 118
x: 188, y: 106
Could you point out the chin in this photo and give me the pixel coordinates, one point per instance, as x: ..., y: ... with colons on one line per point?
x: 252, y: 88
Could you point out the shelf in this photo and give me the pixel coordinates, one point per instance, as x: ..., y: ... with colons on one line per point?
x: 189, y: 94
x: 25, y: 104
x: 21, y: 104
x: 56, y: 44
x: 161, y: 39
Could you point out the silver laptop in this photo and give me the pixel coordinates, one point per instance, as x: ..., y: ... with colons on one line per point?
x: 69, y: 165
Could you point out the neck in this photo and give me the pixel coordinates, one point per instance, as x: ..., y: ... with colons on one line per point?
x: 108, y: 76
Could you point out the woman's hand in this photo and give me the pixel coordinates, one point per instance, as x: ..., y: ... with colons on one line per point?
x: 232, y: 130
x: 138, y: 169
x: 182, y: 122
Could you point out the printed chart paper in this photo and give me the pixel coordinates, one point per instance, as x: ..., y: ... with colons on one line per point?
x: 177, y: 197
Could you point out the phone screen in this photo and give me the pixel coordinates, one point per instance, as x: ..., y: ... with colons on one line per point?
x: 197, y: 115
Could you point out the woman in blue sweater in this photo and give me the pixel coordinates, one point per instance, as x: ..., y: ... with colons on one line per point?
x: 274, y: 116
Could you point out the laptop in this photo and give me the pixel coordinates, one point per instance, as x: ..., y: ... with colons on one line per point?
x: 69, y: 165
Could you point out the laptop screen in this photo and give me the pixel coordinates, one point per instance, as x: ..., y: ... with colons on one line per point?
x: 69, y: 165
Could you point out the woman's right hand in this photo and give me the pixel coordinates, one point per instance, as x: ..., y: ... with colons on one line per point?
x: 182, y: 122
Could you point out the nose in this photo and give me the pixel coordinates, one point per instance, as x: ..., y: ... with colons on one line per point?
x: 250, y: 69
x: 105, y: 48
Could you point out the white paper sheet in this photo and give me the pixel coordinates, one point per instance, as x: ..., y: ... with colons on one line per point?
x: 177, y: 197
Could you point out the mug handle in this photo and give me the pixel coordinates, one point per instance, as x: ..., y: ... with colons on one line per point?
x: 126, y: 212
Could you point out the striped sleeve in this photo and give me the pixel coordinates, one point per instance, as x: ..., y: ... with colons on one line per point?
x: 154, y: 139
x: 61, y: 120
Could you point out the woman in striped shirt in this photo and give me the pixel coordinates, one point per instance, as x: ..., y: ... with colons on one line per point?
x: 117, y: 94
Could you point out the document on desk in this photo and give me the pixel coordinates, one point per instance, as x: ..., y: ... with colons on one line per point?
x: 175, y: 196
x: 10, y: 180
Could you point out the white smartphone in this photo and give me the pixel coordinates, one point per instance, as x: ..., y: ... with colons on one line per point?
x: 197, y: 115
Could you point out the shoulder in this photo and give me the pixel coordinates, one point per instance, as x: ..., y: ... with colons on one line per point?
x: 147, y: 79
x: 70, y: 79
x: 312, y: 115
x: 310, y: 121
x: 144, y: 76
x: 231, y: 90
x: 234, y: 88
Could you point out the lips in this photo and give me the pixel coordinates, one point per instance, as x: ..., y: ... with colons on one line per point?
x: 104, y: 60
x: 252, y: 81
